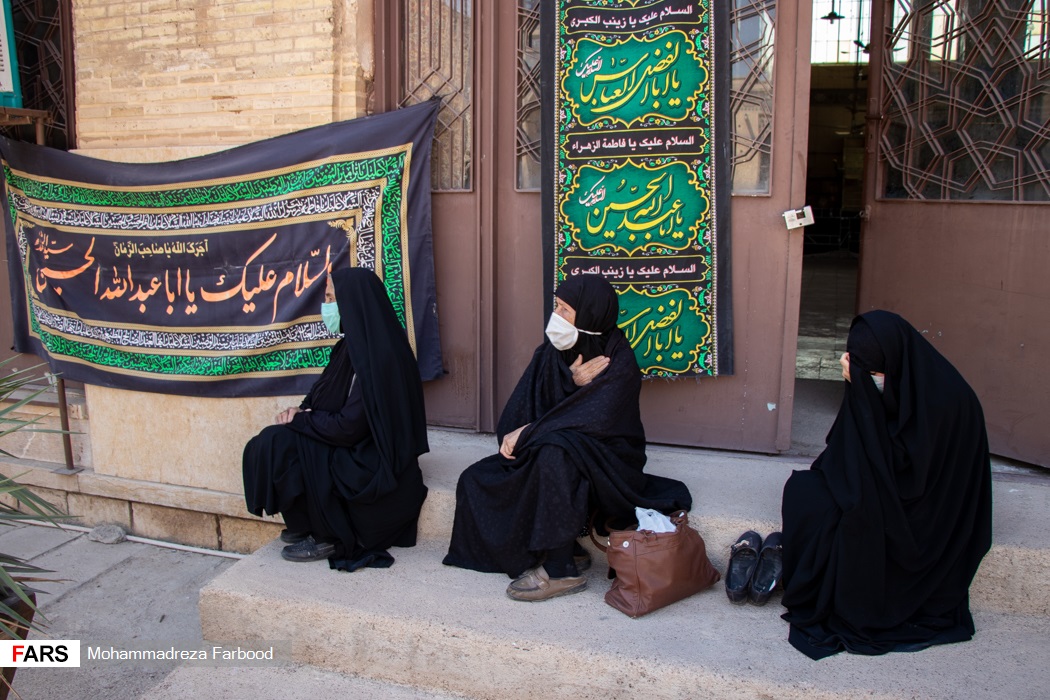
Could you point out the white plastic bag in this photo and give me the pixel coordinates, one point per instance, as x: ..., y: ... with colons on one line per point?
x: 651, y: 520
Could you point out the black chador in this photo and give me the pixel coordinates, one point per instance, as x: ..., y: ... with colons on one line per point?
x: 883, y: 535
x: 345, y: 467
x: 583, y: 449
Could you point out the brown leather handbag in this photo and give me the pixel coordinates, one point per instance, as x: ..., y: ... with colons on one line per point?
x: 656, y: 569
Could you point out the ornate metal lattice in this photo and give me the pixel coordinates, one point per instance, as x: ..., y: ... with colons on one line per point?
x: 437, y: 47
x: 43, y: 44
x: 966, y: 100
x: 751, y: 95
x: 527, y: 102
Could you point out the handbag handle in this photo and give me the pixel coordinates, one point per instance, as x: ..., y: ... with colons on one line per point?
x: 590, y: 532
x: 608, y: 521
x: 679, y: 518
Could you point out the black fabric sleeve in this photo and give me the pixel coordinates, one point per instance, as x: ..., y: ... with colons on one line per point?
x: 344, y: 428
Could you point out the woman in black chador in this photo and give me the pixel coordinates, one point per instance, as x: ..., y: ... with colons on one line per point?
x: 884, y: 534
x: 341, y: 468
x: 571, y: 440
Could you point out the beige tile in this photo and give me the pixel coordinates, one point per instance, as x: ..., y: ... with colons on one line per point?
x: 52, y: 496
x: 96, y: 510
x: 181, y: 440
x: 246, y: 536
x: 175, y: 525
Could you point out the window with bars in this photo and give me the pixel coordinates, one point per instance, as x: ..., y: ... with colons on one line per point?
x: 841, y: 31
x: 437, y: 59
x: 527, y: 103
x: 753, y: 30
x: 965, y: 103
x: 43, y: 42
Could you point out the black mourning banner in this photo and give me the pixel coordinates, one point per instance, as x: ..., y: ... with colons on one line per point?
x: 206, y: 276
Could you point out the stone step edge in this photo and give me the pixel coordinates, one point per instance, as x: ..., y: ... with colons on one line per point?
x: 447, y: 659
x: 392, y: 626
x: 1010, y: 579
x: 172, y: 513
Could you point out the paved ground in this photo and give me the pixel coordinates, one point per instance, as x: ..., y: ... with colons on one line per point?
x: 137, y: 595
x: 113, y: 593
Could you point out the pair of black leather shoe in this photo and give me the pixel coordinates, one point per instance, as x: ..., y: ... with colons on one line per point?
x: 308, y: 549
x: 755, y: 568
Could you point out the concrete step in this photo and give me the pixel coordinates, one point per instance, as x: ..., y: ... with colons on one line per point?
x: 444, y: 629
x: 293, y: 682
x: 734, y: 492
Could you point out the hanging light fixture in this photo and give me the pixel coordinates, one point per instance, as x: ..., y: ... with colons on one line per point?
x: 833, y: 16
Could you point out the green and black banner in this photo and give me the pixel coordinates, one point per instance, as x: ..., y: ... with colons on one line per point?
x: 206, y: 276
x: 637, y: 187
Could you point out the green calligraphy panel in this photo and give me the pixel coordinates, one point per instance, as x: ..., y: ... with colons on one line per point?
x: 626, y: 81
x: 639, y: 188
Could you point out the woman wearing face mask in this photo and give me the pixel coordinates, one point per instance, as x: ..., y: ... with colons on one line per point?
x: 341, y: 468
x: 883, y: 535
x: 571, y: 440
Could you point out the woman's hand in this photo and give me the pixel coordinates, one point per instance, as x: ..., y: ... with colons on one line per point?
x: 285, y: 416
x: 583, y: 373
x: 510, y: 441
x: 844, y: 361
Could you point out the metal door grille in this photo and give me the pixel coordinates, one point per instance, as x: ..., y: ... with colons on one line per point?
x: 527, y: 102
x: 751, y: 95
x: 43, y: 44
x: 966, y: 100
x: 437, y: 58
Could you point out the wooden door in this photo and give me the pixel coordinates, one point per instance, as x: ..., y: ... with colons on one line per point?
x: 957, y: 193
x: 487, y: 236
x: 426, y: 49
x: 769, y: 101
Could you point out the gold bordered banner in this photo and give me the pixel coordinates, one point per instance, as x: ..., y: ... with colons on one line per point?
x: 206, y: 276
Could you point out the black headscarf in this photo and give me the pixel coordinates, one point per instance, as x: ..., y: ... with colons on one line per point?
x: 597, y: 308
x: 384, y: 364
x: 359, y: 485
x: 369, y: 494
x: 885, y: 533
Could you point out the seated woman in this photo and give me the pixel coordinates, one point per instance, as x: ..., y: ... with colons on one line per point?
x: 883, y: 535
x: 571, y: 440
x: 341, y: 468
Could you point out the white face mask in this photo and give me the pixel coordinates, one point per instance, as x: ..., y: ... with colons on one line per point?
x: 563, y: 335
x: 330, y: 316
x: 880, y: 381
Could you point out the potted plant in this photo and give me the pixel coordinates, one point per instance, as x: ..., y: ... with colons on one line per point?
x: 17, y: 596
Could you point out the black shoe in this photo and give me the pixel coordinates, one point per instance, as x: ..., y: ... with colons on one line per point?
x: 769, y: 570
x: 742, y: 563
x: 289, y: 537
x: 308, y: 550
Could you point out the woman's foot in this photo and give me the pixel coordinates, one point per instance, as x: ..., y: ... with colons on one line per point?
x: 535, y: 585
x: 289, y: 537
x: 308, y: 549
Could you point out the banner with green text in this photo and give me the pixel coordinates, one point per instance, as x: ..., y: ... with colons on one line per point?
x: 206, y: 276
x: 637, y: 133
